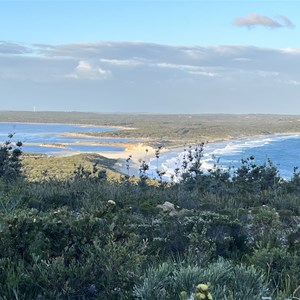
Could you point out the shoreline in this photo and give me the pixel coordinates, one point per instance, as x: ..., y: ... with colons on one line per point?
x: 84, y: 125
x: 142, y: 149
x: 138, y: 153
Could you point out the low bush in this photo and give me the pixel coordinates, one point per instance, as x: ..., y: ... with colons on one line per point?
x: 226, y: 281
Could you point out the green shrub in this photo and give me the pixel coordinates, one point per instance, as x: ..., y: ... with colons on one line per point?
x: 227, y: 281
x: 62, y: 254
x: 10, y: 164
x: 280, y: 266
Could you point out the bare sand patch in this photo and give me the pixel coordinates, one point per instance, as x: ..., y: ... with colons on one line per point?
x: 137, y: 152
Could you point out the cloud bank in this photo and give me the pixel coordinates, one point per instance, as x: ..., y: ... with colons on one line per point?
x: 255, y: 19
x: 145, y: 77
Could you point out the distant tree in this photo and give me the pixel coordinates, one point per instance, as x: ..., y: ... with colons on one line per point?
x: 10, y: 165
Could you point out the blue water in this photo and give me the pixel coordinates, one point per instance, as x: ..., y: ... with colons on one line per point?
x: 34, y: 136
x: 282, y: 150
x: 40, y: 129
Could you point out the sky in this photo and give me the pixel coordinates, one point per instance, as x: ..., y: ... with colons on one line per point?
x: 150, y: 56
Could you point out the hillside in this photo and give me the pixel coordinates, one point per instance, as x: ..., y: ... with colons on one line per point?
x: 72, y: 228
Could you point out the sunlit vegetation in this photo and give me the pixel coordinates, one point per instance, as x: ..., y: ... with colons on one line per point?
x: 87, y: 235
x: 168, y: 129
x: 39, y: 167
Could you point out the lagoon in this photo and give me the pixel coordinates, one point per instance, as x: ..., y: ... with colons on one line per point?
x: 59, y: 139
x: 63, y: 139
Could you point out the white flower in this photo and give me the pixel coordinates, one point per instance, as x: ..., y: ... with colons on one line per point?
x: 111, y: 202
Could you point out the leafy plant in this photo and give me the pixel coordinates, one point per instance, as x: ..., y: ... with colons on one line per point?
x: 227, y: 281
x: 10, y: 164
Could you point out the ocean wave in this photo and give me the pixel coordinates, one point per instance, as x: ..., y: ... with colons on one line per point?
x: 228, y: 154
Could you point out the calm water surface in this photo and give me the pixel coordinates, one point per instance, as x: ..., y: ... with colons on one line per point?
x: 52, y: 139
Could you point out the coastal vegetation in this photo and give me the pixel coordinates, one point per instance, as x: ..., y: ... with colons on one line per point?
x: 168, y: 129
x: 86, y: 235
x: 39, y: 167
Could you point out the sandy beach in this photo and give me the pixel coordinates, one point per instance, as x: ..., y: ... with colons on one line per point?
x: 136, y: 152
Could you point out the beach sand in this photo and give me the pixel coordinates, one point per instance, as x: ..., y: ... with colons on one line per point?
x: 137, y: 153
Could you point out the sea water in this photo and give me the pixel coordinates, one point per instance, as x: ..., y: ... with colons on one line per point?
x: 55, y: 139
x: 282, y: 150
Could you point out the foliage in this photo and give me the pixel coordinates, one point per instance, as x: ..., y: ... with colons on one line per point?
x: 252, y: 177
x: 280, y: 266
x: 227, y: 281
x: 37, y: 167
x: 168, y: 128
x: 209, y: 233
x: 50, y: 254
x: 90, y: 236
x: 10, y: 165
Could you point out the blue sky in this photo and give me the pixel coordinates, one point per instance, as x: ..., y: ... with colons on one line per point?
x: 151, y: 56
x: 166, y: 22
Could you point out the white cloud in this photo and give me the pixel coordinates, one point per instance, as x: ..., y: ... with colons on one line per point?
x: 267, y: 73
x: 195, y: 70
x: 291, y: 51
x: 243, y: 59
x: 147, y: 77
x: 255, y: 19
x: 195, y: 53
x: 123, y: 62
x: 84, y: 70
x: 285, y: 21
x: 84, y: 66
x: 293, y: 82
x: 208, y: 74
x: 13, y: 48
x: 146, y: 61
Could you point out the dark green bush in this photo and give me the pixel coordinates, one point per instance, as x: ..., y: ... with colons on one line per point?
x: 10, y: 164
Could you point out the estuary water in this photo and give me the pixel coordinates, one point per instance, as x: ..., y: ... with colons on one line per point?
x: 63, y: 139
x: 282, y: 150
x: 59, y: 139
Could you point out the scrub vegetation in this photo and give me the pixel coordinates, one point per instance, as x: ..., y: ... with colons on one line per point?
x: 168, y: 129
x: 40, y: 167
x: 93, y: 234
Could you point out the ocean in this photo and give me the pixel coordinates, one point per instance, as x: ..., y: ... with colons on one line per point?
x: 282, y: 150
x: 57, y: 139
